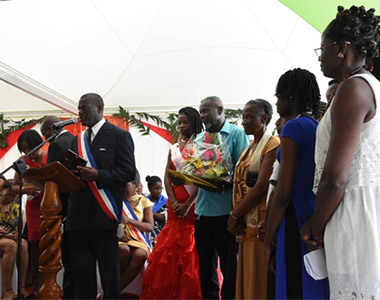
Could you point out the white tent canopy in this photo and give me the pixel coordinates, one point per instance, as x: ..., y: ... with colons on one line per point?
x: 152, y: 56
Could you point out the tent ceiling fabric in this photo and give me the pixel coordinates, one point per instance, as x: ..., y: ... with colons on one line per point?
x: 154, y: 55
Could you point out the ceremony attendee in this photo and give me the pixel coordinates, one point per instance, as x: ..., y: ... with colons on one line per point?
x: 94, y: 211
x: 251, y: 180
x: 28, y: 140
x: 9, y: 213
x: 292, y: 205
x: 57, y: 152
x: 346, y: 219
x: 135, y: 245
x: 212, y: 209
x: 160, y: 207
x: 173, y: 269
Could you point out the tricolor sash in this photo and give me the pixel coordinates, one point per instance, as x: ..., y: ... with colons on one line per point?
x: 103, y: 196
x: 142, y: 236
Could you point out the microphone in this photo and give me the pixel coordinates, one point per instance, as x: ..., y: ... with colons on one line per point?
x: 61, y: 124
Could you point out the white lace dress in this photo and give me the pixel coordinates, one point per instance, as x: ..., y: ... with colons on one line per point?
x: 352, y: 236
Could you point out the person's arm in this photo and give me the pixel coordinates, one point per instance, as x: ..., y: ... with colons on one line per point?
x: 29, y: 189
x: 146, y: 225
x: 352, y: 106
x: 183, y: 208
x: 283, y: 191
x: 168, y: 182
x: 257, y: 193
x: 159, y: 217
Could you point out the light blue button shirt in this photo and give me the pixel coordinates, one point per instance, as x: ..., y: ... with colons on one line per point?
x: 213, y: 204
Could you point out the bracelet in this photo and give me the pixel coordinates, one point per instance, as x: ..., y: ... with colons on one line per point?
x: 233, y: 217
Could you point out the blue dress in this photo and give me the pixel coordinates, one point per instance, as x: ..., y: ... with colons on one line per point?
x: 290, y: 246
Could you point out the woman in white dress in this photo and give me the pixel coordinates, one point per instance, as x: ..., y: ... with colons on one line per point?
x: 346, y: 219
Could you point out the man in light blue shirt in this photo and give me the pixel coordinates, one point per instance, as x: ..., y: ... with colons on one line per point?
x: 213, y: 209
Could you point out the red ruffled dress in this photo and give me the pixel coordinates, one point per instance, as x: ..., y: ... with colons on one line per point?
x: 173, y: 266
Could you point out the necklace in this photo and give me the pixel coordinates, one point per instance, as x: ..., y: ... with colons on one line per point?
x: 354, y: 71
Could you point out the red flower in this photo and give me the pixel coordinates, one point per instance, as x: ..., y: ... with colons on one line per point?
x: 208, y: 138
x: 208, y: 155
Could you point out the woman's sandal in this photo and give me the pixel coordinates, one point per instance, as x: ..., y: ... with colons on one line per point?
x: 8, y: 295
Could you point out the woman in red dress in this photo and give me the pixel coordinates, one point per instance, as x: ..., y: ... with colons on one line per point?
x: 173, y: 266
x: 27, y: 141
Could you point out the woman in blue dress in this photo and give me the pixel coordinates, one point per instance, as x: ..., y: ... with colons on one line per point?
x: 160, y: 205
x: 293, y: 201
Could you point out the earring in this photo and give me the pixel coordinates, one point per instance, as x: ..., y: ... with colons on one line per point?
x: 340, y: 55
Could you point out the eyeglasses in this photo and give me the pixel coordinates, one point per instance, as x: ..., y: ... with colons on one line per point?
x: 318, y: 51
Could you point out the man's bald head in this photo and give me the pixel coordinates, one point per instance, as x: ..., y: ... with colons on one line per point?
x: 46, y: 128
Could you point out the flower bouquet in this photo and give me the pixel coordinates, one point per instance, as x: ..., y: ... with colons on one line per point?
x: 206, y: 162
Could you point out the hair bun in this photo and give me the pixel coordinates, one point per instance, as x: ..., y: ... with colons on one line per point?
x: 147, y: 178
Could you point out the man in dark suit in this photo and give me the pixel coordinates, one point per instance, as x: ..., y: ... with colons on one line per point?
x: 91, y: 228
x: 57, y: 152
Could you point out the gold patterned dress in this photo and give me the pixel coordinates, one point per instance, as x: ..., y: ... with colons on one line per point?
x: 251, y: 280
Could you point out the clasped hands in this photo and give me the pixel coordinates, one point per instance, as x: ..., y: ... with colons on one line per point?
x: 313, y: 240
x: 9, y: 235
x: 180, y: 209
x: 236, y: 226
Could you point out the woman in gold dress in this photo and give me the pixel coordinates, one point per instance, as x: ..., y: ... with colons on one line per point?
x: 251, y: 182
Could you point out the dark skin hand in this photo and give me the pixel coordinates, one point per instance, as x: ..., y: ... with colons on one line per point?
x: 261, y: 231
x: 236, y: 226
x: 88, y: 173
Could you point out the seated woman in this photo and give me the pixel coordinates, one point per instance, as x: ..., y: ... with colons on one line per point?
x: 134, y: 246
x: 160, y: 207
x: 9, y: 212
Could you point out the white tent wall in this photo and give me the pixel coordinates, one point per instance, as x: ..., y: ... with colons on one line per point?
x: 151, y: 153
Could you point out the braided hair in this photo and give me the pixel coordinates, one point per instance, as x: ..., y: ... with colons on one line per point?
x: 300, y: 85
x: 357, y: 26
x: 264, y: 107
x: 194, y: 118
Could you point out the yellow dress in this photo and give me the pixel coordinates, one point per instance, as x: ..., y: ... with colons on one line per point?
x: 251, y: 279
x: 138, y: 209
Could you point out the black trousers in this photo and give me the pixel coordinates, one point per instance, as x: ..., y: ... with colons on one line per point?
x: 212, y: 240
x: 87, y: 247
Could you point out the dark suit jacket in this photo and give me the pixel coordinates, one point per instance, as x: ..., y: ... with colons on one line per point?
x: 113, y: 152
x: 57, y: 152
x: 58, y: 147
